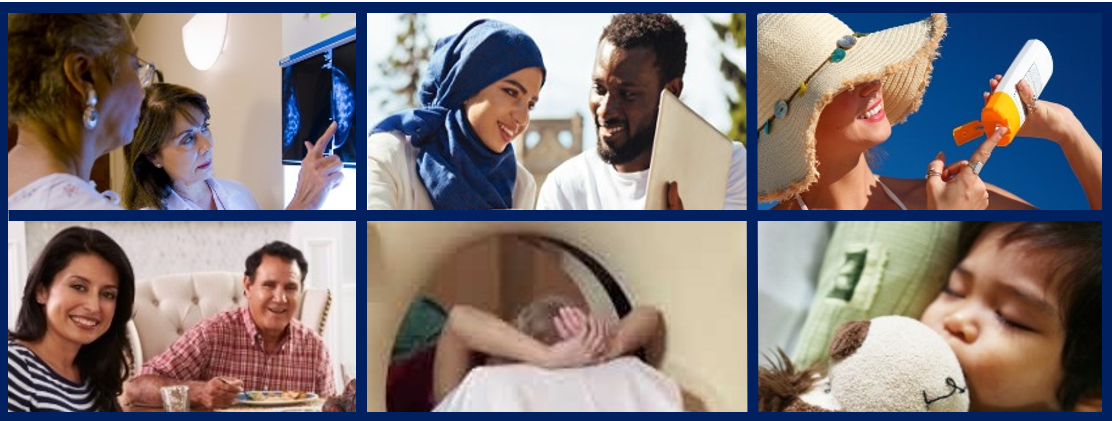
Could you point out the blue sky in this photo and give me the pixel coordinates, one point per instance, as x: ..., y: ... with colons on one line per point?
x: 977, y: 47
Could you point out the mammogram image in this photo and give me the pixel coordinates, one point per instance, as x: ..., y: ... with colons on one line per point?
x: 315, y: 92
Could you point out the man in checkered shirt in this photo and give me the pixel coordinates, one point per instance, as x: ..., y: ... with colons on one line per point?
x: 258, y: 347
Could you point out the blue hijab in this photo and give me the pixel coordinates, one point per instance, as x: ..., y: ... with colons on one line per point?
x: 458, y: 170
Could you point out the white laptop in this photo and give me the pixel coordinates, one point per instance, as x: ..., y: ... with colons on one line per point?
x: 691, y: 152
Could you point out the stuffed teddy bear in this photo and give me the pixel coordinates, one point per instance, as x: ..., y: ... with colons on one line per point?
x: 890, y: 363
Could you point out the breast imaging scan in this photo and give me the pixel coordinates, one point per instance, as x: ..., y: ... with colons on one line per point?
x: 315, y: 92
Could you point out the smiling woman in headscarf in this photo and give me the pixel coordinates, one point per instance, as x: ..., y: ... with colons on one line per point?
x: 455, y: 151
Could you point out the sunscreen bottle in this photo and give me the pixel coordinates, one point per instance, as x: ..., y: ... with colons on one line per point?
x: 1004, y: 108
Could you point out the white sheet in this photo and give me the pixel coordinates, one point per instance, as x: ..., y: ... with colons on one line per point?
x: 622, y: 385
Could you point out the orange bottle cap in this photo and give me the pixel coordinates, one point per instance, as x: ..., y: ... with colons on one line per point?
x: 1001, y: 110
x: 967, y: 132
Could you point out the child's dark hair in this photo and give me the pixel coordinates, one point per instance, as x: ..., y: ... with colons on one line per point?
x: 1073, y: 253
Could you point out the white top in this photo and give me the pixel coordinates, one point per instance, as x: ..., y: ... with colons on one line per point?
x: 393, y: 184
x: 803, y: 206
x: 60, y: 192
x: 622, y: 385
x: 229, y: 195
x: 585, y: 182
x: 34, y: 387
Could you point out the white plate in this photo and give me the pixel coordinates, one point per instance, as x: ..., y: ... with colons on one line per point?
x: 242, y: 399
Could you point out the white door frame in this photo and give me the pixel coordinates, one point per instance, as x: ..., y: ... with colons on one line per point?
x: 323, y: 244
x: 17, y: 268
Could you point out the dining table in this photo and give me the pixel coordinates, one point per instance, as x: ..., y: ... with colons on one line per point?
x: 310, y: 405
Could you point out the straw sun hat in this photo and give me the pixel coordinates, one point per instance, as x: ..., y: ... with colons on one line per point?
x: 804, y: 61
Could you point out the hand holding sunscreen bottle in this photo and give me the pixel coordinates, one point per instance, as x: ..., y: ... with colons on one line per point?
x: 1004, y: 107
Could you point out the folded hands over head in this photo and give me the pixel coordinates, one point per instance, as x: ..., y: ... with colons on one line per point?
x: 584, y: 340
x: 588, y: 340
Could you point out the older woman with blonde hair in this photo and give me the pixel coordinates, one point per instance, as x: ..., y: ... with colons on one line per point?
x: 75, y: 82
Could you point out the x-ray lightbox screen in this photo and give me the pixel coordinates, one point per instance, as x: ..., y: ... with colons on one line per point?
x: 315, y: 92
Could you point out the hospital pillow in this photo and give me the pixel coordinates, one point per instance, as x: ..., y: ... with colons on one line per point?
x: 873, y: 269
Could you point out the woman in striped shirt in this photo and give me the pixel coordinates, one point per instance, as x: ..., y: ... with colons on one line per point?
x: 69, y: 350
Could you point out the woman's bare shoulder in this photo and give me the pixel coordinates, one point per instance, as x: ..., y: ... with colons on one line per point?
x: 1000, y: 199
x: 911, y: 191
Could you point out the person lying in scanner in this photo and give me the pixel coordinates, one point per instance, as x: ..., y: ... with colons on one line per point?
x: 556, y: 357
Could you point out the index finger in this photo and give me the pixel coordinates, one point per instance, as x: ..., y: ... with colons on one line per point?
x: 318, y: 148
x: 576, y: 318
x: 936, y: 166
x: 561, y: 328
x: 673, y: 193
x: 985, y: 150
x: 225, y: 387
x: 595, y: 337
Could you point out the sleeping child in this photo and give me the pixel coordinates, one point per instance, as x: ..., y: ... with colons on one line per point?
x: 1022, y: 311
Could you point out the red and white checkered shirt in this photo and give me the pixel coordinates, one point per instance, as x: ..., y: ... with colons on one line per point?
x: 228, y: 344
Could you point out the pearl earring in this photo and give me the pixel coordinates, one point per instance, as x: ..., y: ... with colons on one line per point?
x: 91, y: 109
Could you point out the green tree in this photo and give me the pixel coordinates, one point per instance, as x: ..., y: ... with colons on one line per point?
x: 732, y: 34
x: 400, y: 73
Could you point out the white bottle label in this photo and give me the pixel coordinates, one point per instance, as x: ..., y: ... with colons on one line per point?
x: 1033, y: 64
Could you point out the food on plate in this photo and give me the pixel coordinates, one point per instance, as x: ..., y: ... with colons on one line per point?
x: 277, y: 396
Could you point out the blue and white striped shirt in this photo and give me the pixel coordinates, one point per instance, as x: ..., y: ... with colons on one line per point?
x: 34, y: 387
